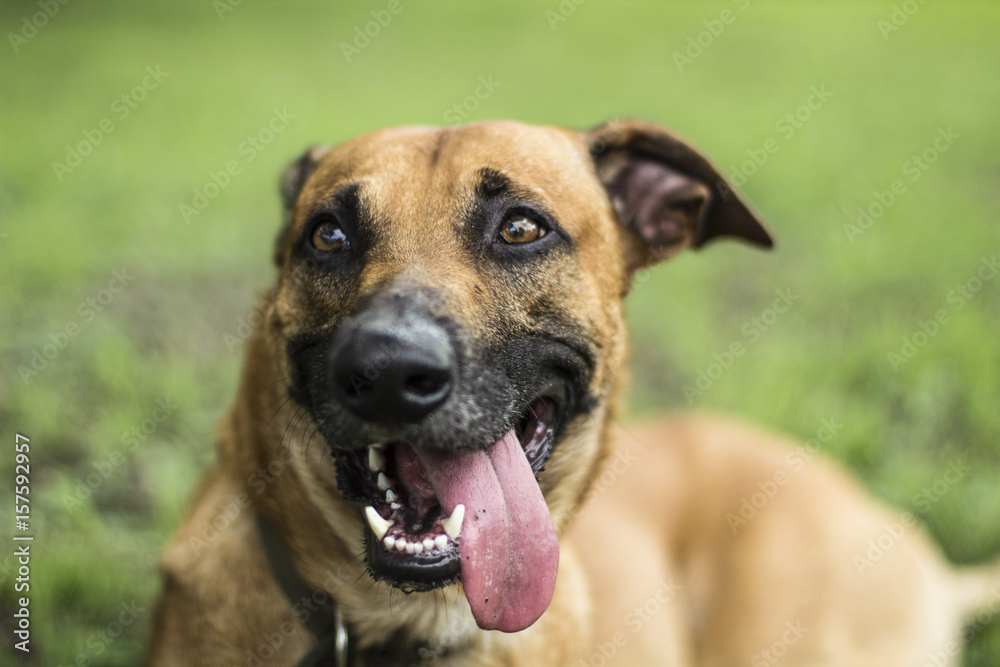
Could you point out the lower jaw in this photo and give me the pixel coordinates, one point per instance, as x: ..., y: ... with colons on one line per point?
x: 412, y: 573
x: 441, y: 566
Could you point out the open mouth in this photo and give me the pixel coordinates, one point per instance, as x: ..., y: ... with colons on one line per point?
x: 434, y: 517
x: 411, y: 539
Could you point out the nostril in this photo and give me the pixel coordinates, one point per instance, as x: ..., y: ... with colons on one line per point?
x: 393, y: 372
x: 355, y: 385
x: 423, y: 385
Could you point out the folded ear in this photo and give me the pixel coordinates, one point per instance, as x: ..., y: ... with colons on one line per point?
x: 666, y: 192
x: 292, y: 182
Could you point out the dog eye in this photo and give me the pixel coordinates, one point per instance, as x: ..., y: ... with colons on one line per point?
x: 519, y: 229
x: 329, y: 237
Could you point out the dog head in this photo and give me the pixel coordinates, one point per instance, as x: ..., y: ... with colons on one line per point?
x: 449, y: 316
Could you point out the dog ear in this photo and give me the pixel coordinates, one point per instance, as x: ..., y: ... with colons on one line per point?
x: 666, y: 192
x: 292, y: 182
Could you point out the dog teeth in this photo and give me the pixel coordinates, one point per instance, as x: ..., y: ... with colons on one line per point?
x: 428, y: 544
x: 394, y: 506
x: 378, y: 525
x: 380, y: 528
x: 453, y: 525
x: 383, y: 482
x: 376, y: 459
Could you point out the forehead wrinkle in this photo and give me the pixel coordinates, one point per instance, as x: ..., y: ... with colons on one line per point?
x: 411, y: 205
x: 439, y: 143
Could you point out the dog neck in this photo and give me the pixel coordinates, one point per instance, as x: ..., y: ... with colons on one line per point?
x: 334, y: 645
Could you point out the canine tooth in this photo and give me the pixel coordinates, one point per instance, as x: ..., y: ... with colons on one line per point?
x: 453, y: 526
x: 376, y: 459
x: 428, y: 543
x: 394, y: 506
x: 418, y: 548
x: 378, y: 525
x: 390, y: 541
x: 390, y: 495
x: 383, y: 482
x: 410, y: 547
x: 441, y: 541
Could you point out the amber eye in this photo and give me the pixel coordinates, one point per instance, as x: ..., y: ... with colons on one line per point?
x: 329, y: 237
x: 520, y: 229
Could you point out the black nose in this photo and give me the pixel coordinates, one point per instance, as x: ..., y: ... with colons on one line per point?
x: 392, y: 372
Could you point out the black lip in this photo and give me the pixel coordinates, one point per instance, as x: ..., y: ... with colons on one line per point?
x: 412, y: 572
x: 442, y: 567
x: 538, y: 433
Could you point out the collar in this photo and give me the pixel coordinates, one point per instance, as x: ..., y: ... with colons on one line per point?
x: 334, y: 647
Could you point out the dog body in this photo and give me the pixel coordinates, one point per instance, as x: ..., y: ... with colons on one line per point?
x: 438, y: 368
x: 746, y: 549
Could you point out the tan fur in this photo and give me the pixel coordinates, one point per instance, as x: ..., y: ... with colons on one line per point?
x: 654, y: 527
x: 736, y: 586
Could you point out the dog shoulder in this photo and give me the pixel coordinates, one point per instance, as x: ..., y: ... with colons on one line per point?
x: 202, y: 613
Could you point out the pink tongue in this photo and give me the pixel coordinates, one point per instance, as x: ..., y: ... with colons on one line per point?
x: 508, y: 545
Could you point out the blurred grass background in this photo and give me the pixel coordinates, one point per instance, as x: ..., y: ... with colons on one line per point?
x: 105, y: 497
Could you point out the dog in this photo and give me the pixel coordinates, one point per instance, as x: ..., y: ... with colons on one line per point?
x: 423, y: 465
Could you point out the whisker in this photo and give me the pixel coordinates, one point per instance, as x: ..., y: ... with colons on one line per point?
x: 293, y: 423
x: 283, y: 404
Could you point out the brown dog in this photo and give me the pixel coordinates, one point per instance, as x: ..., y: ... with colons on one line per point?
x: 430, y: 400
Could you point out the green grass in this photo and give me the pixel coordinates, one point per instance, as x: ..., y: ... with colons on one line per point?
x: 162, y: 336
